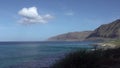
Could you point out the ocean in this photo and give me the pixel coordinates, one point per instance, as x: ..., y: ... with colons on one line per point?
x: 36, y: 54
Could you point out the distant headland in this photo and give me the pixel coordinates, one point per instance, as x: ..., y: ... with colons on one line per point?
x: 104, y: 32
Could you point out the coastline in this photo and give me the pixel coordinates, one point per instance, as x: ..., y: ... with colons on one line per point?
x: 107, y: 45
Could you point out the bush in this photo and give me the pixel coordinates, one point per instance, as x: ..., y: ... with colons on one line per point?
x: 90, y: 59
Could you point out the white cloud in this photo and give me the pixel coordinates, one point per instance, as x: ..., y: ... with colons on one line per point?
x: 31, y: 15
x: 69, y: 13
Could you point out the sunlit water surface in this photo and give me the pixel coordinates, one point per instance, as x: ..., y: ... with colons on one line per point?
x: 40, y: 53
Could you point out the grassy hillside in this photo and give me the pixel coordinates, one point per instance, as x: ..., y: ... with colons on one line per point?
x: 116, y: 42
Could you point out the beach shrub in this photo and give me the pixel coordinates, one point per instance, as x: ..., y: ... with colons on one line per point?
x: 90, y: 59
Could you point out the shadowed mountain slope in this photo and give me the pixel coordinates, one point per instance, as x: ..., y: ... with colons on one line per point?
x: 111, y: 31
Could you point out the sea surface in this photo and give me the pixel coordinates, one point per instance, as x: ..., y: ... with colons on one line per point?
x: 36, y: 54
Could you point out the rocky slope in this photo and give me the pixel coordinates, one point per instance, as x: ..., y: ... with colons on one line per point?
x: 104, y: 32
x: 111, y: 31
x: 71, y: 36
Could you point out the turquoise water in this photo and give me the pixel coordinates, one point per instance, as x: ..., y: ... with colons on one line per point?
x: 12, y: 53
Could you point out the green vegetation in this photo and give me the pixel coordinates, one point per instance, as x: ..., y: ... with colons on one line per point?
x: 116, y: 42
x: 112, y: 44
x: 109, y: 58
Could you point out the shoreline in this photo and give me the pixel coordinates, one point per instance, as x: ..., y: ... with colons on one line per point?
x: 107, y: 45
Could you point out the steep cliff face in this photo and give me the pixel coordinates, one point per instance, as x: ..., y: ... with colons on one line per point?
x: 71, y: 36
x: 111, y: 30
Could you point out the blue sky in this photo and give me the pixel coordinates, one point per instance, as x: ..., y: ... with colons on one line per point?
x: 36, y: 20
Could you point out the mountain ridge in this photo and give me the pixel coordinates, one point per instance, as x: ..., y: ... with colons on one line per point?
x: 107, y: 31
x: 104, y: 32
x: 71, y: 36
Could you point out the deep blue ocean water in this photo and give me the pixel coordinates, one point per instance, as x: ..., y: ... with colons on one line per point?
x: 13, y: 53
